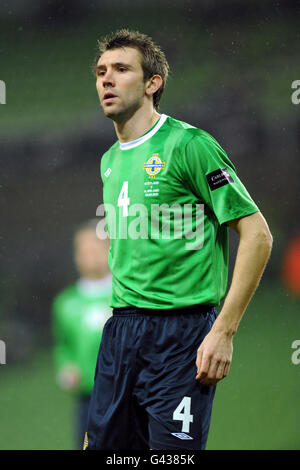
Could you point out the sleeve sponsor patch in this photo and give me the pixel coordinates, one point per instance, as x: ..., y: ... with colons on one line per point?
x: 218, y: 178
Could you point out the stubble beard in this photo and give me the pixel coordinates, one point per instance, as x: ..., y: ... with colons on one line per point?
x: 123, y: 112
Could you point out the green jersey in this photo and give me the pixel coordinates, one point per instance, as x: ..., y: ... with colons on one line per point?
x: 79, y: 314
x: 167, y: 198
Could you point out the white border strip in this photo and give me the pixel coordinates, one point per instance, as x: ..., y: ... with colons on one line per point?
x: 141, y: 140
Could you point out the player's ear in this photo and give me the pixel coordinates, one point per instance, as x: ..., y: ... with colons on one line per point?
x: 153, y: 84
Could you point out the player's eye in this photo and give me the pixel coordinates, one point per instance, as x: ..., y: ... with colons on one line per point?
x: 122, y: 69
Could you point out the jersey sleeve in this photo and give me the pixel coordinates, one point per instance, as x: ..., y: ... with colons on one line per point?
x: 212, y: 177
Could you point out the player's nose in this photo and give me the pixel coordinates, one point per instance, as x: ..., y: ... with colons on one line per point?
x: 108, y: 79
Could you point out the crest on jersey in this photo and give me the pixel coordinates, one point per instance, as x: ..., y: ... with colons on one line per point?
x: 154, y: 165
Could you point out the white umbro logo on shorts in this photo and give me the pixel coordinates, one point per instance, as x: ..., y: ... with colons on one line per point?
x: 181, y: 435
x: 108, y: 172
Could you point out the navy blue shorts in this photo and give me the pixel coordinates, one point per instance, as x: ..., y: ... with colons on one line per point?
x: 145, y: 394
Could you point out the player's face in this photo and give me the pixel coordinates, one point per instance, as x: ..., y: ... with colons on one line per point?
x: 90, y: 254
x: 120, y: 82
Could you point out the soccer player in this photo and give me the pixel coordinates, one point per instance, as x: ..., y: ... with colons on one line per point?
x: 165, y: 348
x: 79, y: 314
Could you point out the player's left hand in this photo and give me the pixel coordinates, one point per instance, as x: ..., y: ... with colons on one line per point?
x: 214, y: 357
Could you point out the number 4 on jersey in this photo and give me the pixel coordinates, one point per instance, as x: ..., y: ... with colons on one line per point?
x: 123, y: 199
x: 183, y: 413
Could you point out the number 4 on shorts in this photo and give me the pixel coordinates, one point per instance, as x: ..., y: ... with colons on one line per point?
x: 183, y: 413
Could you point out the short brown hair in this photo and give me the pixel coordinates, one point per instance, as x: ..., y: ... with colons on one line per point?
x: 154, y: 60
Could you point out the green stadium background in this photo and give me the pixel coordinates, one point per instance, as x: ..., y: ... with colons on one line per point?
x: 232, y: 67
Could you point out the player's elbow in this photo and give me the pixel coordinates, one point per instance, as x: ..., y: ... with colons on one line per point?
x: 264, y: 237
x: 270, y: 240
x: 255, y: 231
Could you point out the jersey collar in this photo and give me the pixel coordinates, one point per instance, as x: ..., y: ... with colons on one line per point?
x: 148, y: 135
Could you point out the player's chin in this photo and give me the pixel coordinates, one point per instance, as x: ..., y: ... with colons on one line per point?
x: 110, y: 111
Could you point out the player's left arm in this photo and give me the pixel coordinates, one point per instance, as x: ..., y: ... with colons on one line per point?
x: 214, y: 355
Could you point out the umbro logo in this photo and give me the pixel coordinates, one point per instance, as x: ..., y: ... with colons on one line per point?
x: 108, y: 172
x: 182, y: 435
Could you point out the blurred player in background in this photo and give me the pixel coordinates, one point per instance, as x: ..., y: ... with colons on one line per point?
x: 79, y: 314
x: 164, y: 349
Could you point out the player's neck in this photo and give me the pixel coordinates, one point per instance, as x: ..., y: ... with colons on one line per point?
x: 137, y: 125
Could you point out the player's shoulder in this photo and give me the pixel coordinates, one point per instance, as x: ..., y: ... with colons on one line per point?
x: 111, y: 149
x: 190, y: 133
x: 108, y: 155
